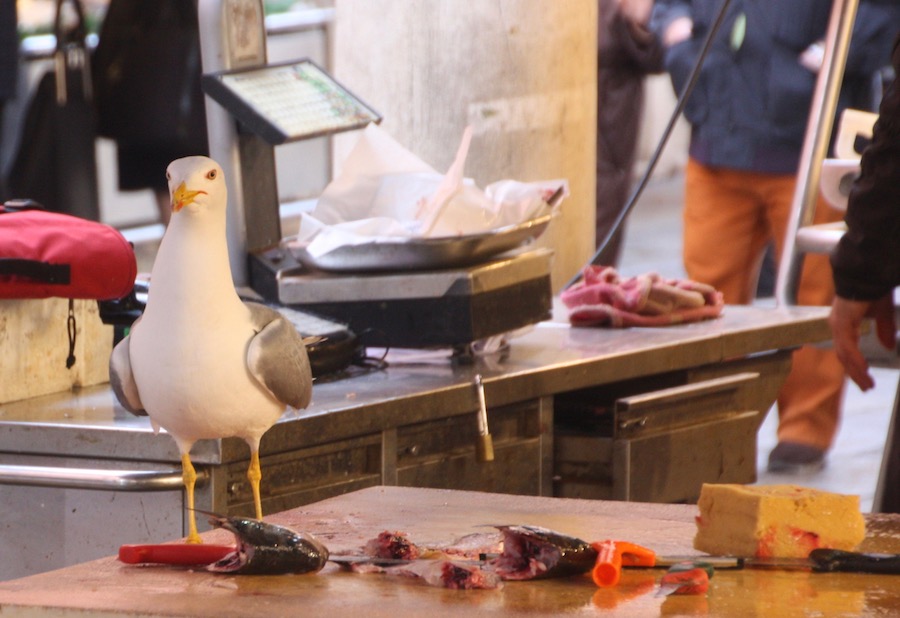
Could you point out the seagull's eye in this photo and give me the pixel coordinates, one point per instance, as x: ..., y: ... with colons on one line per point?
x: 211, y: 174
x: 168, y: 176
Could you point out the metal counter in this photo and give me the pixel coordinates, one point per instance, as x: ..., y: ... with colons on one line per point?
x: 415, y: 425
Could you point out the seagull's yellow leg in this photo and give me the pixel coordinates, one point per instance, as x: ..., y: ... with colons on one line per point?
x: 189, y: 476
x: 254, y: 474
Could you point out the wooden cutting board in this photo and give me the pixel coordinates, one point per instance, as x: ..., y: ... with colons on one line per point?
x: 107, y: 587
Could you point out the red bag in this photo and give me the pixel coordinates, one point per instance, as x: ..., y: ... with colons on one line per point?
x: 46, y: 254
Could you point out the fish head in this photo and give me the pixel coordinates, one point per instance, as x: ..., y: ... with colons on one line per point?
x: 268, y: 549
x: 533, y: 552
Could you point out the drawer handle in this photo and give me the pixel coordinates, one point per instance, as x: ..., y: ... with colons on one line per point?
x: 685, y: 392
x: 633, y: 422
x: 484, y: 448
x: 87, y: 478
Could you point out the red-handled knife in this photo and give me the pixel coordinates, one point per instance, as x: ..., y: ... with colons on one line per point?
x: 184, y: 554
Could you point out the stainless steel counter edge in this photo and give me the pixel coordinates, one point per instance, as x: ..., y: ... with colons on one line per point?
x: 552, y: 358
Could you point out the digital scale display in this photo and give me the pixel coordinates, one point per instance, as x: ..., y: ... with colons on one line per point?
x: 288, y: 102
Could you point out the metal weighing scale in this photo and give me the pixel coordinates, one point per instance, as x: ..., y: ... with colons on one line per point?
x: 432, y: 308
x: 253, y: 106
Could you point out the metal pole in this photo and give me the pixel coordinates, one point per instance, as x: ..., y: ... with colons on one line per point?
x: 232, y: 36
x: 815, y: 146
x: 90, y: 478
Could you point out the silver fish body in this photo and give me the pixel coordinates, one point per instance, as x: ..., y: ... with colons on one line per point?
x: 267, y: 549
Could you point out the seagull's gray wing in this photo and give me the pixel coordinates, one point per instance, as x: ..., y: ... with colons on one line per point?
x: 122, y: 380
x: 277, y: 357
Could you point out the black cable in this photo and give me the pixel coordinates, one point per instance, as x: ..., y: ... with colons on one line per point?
x: 645, y: 178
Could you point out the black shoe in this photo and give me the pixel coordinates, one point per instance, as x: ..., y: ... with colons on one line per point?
x: 793, y: 457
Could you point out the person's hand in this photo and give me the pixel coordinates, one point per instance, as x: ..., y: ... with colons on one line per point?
x: 845, y: 321
x: 813, y: 57
x: 636, y: 11
x: 679, y: 30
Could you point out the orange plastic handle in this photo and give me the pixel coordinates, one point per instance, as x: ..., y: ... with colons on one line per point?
x: 613, y: 555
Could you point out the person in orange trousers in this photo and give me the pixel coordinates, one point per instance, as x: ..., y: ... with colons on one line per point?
x: 748, y: 113
x: 724, y: 248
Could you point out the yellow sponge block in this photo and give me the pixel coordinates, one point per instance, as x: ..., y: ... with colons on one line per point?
x: 767, y: 521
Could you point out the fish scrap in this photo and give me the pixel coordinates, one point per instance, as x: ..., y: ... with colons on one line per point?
x: 267, y: 549
x: 393, y: 545
x: 525, y: 553
x: 533, y: 552
x: 451, y: 574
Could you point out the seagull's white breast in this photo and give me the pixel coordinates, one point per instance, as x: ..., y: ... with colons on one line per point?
x: 189, y: 351
x: 193, y: 377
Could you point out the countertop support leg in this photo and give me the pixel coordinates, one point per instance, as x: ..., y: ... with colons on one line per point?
x: 887, y: 492
x: 389, y: 456
x: 545, y: 414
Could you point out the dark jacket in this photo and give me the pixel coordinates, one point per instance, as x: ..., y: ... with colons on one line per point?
x: 750, y: 105
x: 9, y: 51
x: 866, y: 263
x: 626, y: 54
x: 146, y: 71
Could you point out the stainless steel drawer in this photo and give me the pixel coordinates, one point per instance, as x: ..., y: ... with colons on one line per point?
x: 631, y: 441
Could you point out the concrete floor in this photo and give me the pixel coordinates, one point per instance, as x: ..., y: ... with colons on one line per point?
x: 653, y: 244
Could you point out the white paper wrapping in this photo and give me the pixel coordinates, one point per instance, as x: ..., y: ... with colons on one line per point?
x: 384, y: 193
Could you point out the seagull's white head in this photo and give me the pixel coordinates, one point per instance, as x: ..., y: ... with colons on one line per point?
x: 196, y: 183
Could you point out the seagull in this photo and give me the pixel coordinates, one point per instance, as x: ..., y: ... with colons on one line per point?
x: 200, y: 362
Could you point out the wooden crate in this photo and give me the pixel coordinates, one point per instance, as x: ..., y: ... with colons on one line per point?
x: 34, y: 344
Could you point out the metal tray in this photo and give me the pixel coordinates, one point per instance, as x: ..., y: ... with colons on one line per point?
x: 423, y: 253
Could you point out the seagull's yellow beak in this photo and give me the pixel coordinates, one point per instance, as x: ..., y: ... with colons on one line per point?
x: 181, y: 197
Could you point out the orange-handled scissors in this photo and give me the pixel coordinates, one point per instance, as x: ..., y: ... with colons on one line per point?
x: 613, y: 555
